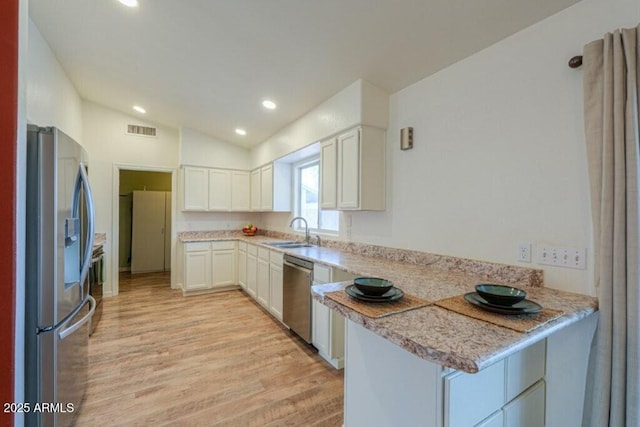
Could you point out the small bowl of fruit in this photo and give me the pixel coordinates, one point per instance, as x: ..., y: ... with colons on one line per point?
x: 249, y: 230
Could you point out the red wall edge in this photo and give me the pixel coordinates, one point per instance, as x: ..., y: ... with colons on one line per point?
x: 8, y: 150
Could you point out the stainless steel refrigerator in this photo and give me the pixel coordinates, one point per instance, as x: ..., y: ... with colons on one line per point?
x: 59, y: 242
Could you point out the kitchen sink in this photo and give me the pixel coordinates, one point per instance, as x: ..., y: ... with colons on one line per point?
x: 278, y: 244
x: 296, y: 245
x: 289, y: 245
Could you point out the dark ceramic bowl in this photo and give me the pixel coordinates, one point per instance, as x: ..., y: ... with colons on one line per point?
x: 500, y: 295
x: 373, y: 286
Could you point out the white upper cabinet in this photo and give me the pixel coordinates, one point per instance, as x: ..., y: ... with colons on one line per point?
x: 255, y: 190
x: 240, y: 191
x: 329, y: 174
x: 196, y: 189
x: 271, y: 188
x: 349, y: 170
x: 353, y: 170
x: 266, y: 188
x: 219, y: 190
x: 215, y: 190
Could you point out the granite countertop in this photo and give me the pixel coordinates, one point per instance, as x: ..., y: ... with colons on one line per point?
x: 432, y: 333
x: 99, y: 240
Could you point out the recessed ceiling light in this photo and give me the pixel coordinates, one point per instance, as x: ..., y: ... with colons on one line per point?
x: 129, y: 3
x: 241, y: 131
x: 270, y: 105
x: 139, y: 109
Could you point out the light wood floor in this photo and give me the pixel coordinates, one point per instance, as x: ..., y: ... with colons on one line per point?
x: 158, y: 358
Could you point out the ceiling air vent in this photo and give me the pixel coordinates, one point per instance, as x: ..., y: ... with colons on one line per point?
x: 141, y: 130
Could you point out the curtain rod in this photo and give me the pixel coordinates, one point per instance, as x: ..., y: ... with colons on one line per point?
x: 575, y: 62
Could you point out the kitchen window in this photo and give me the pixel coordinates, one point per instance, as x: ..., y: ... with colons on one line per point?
x: 307, y: 198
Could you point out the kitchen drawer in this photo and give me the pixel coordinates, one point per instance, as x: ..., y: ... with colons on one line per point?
x: 470, y: 398
x: 197, y: 246
x: 242, y: 246
x: 252, y: 250
x: 263, y: 254
x: 321, y: 273
x: 495, y: 420
x: 525, y: 368
x: 276, y: 257
x: 225, y: 245
x: 527, y: 410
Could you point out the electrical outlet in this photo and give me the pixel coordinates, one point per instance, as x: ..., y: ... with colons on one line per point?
x: 562, y: 257
x: 524, y: 252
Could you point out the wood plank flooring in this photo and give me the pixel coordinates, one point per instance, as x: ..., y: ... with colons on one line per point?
x: 158, y: 358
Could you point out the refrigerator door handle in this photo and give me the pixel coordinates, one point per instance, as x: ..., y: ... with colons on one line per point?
x: 83, y: 182
x: 71, y: 329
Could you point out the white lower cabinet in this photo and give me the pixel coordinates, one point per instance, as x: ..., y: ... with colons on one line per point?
x: 275, y: 284
x: 327, y: 331
x: 263, y: 276
x: 511, y: 389
x: 263, y: 289
x: 495, y: 420
x: 223, y: 267
x: 242, y: 265
x: 470, y: 398
x: 438, y: 396
x: 197, y: 267
x: 252, y: 270
x: 209, y: 266
x: 527, y: 410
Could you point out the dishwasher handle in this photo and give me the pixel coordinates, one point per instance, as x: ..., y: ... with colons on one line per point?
x: 297, y: 267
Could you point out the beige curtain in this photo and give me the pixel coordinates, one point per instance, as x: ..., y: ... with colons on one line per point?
x: 611, y: 80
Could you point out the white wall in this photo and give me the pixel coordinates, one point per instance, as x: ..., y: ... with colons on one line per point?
x: 198, y: 149
x: 51, y: 98
x: 108, y: 145
x: 498, y: 153
x: 359, y: 103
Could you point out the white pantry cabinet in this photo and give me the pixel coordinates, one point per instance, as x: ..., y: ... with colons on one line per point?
x: 271, y: 188
x: 215, y: 190
x: 352, y: 169
x: 209, y: 266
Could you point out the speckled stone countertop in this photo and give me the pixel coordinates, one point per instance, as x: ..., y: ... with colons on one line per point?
x: 433, y: 333
x: 454, y: 340
x: 370, y: 260
x: 99, y: 240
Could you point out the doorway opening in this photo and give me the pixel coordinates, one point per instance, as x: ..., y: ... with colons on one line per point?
x: 143, y: 221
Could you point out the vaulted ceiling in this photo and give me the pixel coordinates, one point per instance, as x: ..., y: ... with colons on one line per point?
x: 208, y: 64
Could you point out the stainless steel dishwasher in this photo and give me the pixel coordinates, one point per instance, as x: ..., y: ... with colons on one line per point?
x: 296, y: 303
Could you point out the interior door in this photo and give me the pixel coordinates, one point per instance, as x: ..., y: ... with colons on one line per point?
x: 148, y: 231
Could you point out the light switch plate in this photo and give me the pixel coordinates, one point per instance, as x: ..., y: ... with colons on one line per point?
x: 562, y: 257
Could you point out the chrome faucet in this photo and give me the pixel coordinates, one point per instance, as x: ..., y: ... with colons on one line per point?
x: 306, y: 228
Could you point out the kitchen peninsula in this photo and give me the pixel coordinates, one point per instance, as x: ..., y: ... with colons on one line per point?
x: 433, y: 367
